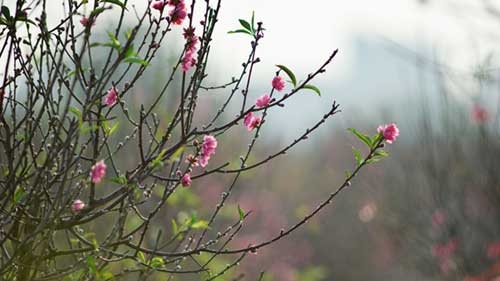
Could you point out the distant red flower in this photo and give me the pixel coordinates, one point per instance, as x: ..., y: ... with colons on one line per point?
x: 438, y: 218
x: 479, y: 114
x: 445, y: 250
x: 493, y: 250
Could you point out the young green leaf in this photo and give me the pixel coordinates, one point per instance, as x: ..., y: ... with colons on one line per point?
x: 245, y: 25
x: 116, y: 2
x: 136, y: 60
x: 360, y: 136
x: 241, y: 213
x: 157, y: 262
x: 240, y: 31
x: 313, y: 88
x: 114, y: 43
x: 253, y: 21
x: 357, y: 156
x: 289, y: 73
x: 141, y: 257
x: 201, y: 224
x: 175, y: 227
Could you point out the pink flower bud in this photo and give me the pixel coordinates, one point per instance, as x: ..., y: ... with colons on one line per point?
x: 98, y: 171
x: 186, y: 180
x: 77, y: 206
x: 158, y: 5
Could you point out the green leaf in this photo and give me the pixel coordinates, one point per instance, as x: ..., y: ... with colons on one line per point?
x: 289, y: 73
x: 116, y: 2
x: 158, y: 161
x: 136, y: 60
x: 92, y: 268
x: 122, y: 179
x: 357, y: 155
x: 201, y: 224
x: 110, y: 131
x: 177, y: 155
x: 175, y: 227
x: 25, y: 19
x: 96, y: 12
x: 6, y: 12
x: 245, y: 25
x: 373, y: 160
x: 130, y: 52
x: 381, y: 153
x: 253, y: 21
x: 157, y: 262
x: 240, y: 31
x: 347, y: 174
x: 241, y: 213
x: 313, y: 88
x: 114, y: 41
x: 141, y: 257
x: 364, y: 138
x: 19, y: 194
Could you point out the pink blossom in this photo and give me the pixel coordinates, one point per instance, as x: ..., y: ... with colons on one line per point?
x: 438, y: 218
x: 111, y: 97
x: 493, y: 250
x: 186, y: 180
x: 251, y: 122
x: 263, y: 101
x: 207, y: 149
x: 278, y: 83
x: 98, y: 171
x: 389, y: 132
x: 189, y: 60
x: 444, y: 251
x: 77, y: 205
x: 158, y: 5
x: 479, y: 114
x: 178, y: 13
x: 87, y: 22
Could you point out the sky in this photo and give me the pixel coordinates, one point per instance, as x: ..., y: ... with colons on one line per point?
x: 379, y: 43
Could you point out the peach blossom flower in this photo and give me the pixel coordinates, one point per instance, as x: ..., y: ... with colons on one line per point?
x: 98, y: 171
x: 111, y: 97
x: 263, y: 101
x: 389, y: 132
x: 186, y: 180
x: 278, y: 83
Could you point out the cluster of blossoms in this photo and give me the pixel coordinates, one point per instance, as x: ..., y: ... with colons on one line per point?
x: 250, y: 120
x: 97, y: 173
x: 177, y: 12
x: 207, y: 150
x: 189, y: 60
